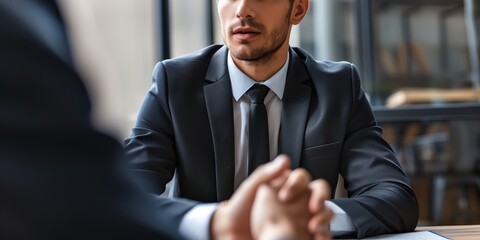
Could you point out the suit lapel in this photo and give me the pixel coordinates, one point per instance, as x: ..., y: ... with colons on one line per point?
x: 218, y: 98
x: 296, y: 101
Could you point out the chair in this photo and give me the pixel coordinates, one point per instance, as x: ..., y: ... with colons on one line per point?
x: 451, y: 160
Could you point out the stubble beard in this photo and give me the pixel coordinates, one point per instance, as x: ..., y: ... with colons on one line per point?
x: 267, y: 51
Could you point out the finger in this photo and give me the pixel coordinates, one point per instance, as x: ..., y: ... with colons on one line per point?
x: 272, y: 220
x: 320, y: 222
x: 265, y: 195
x: 320, y: 191
x: 269, y: 171
x: 263, y: 174
x: 296, y: 185
x: 278, y: 182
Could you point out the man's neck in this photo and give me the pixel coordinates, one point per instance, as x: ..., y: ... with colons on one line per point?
x: 261, y: 71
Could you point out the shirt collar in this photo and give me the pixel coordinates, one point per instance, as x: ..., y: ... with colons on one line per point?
x: 241, y: 82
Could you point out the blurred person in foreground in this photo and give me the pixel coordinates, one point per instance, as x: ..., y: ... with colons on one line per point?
x: 195, y: 123
x: 60, y: 178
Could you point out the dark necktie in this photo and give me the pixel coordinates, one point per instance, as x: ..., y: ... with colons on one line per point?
x: 258, y: 144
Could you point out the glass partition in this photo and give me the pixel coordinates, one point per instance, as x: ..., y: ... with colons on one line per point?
x: 408, y: 51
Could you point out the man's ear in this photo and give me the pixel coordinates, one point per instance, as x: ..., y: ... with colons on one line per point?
x: 299, y: 10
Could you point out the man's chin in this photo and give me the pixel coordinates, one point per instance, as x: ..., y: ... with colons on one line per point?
x: 244, y: 55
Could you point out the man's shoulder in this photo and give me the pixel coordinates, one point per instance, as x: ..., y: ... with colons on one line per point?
x: 192, y: 65
x: 324, y: 66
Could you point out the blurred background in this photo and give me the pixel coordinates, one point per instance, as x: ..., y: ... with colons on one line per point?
x: 418, y: 59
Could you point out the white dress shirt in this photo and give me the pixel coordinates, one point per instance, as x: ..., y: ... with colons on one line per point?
x: 195, y: 224
x: 241, y: 83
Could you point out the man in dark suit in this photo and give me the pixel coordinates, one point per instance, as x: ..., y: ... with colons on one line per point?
x: 194, y: 121
x: 60, y: 178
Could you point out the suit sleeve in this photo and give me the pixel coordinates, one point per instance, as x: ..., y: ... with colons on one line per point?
x: 150, y: 148
x: 60, y: 177
x: 380, y: 197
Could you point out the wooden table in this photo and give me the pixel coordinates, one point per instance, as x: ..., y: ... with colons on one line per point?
x: 460, y: 232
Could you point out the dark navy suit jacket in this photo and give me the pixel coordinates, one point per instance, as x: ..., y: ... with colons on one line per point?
x: 327, y: 127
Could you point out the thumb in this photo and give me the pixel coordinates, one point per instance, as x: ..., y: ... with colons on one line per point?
x: 263, y: 174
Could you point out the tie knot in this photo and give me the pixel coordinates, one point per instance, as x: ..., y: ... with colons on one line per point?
x: 257, y: 93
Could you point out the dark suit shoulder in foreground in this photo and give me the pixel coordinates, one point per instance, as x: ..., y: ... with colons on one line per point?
x: 60, y: 177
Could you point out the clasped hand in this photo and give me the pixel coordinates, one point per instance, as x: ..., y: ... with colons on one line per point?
x: 275, y: 202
